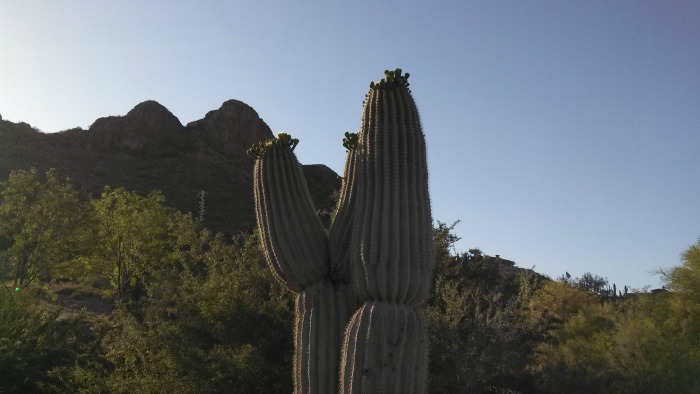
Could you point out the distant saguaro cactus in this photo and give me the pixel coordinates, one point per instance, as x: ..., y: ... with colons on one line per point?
x: 380, y: 241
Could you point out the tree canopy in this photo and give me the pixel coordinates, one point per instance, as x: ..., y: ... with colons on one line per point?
x: 43, y: 226
x: 131, y: 234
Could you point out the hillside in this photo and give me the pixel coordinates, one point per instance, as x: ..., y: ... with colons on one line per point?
x: 149, y: 149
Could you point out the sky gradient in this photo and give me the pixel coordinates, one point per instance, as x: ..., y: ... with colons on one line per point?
x: 565, y: 135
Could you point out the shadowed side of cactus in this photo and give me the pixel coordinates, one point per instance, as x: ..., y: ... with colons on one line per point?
x: 322, y: 312
x: 296, y: 247
x: 340, y: 230
x: 389, y: 345
x: 391, y: 252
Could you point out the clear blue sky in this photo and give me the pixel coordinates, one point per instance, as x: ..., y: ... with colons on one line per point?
x: 565, y: 135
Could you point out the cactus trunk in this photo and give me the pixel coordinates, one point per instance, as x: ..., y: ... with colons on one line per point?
x: 385, y: 350
x: 392, y: 252
x: 293, y: 237
x: 322, y: 312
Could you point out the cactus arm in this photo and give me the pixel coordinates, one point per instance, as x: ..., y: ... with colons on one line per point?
x: 294, y: 240
x: 339, y: 233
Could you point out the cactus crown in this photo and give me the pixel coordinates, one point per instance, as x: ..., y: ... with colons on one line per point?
x: 283, y: 141
x: 391, y: 79
x: 350, y: 140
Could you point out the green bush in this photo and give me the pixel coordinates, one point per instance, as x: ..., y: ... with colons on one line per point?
x: 35, y: 348
x: 212, y: 320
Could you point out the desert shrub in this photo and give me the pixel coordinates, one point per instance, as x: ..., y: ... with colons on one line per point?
x: 36, y: 349
x: 480, y: 338
x: 212, y: 320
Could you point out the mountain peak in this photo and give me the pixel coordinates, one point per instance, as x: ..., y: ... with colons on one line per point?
x: 236, y: 125
x: 135, y: 129
x: 240, y: 108
x: 152, y: 114
x: 148, y: 106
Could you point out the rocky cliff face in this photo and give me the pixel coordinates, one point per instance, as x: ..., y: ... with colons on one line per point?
x: 149, y: 149
x: 133, y: 131
x: 235, y: 126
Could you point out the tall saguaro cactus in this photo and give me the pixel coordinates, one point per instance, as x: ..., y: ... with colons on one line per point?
x: 391, y: 255
x: 380, y: 241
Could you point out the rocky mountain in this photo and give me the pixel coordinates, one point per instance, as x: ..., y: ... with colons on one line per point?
x: 149, y: 149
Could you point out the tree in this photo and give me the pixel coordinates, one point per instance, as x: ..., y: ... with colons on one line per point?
x: 444, y: 241
x: 132, y: 236
x: 685, y: 279
x: 481, y: 341
x: 42, y: 226
x: 595, y: 284
x: 557, y: 301
x: 211, y: 321
x: 646, y: 343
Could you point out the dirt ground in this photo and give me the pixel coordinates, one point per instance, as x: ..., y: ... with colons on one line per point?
x: 70, y: 297
x: 72, y: 306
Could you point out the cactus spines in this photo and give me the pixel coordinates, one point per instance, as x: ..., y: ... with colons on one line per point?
x: 391, y: 253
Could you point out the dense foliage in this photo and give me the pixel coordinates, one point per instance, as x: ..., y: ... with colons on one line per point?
x: 42, y: 225
x: 35, y: 348
x: 192, y: 311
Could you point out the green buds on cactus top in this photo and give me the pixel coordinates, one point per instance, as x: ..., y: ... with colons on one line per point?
x: 283, y: 140
x: 350, y: 140
x: 391, y: 79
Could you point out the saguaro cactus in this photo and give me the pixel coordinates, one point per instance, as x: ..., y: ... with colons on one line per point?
x: 391, y: 253
x: 380, y: 240
x: 296, y: 247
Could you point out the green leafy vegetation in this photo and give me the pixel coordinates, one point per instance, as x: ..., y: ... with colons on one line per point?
x: 642, y: 343
x: 43, y: 225
x: 200, y: 312
x: 130, y: 238
x: 35, y: 347
x: 480, y: 338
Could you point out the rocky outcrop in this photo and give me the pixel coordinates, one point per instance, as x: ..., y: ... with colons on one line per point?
x: 234, y: 127
x: 147, y: 123
x: 323, y: 183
